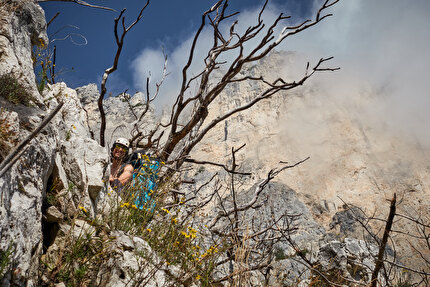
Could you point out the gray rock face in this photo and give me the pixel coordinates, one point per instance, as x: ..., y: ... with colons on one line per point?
x: 126, y: 267
x: 350, y: 262
x: 277, y: 201
x: 62, y: 162
x: 81, y: 161
x: 346, y: 261
x: 347, y: 220
x: 66, y: 163
x: 60, y: 157
x: 21, y: 207
x: 122, y: 113
x: 22, y: 26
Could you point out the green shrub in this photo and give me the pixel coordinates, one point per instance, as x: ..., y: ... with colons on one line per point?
x: 172, y: 237
x: 5, y: 259
x: 13, y: 91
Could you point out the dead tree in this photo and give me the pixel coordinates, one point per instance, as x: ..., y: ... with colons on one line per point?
x: 79, y: 2
x: 14, y: 155
x: 246, y: 243
x: 251, y: 244
x: 119, y: 38
x: 387, y: 269
x: 383, y: 244
x: 182, y: 133
x: 174, y: 140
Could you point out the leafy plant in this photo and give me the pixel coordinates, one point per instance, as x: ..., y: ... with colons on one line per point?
x: 13, y: 91
x: 279, y: 254
x: 80, y: 259
x: 68, y: 135
x: 5, y: 259
x: 42, y: 56
x: 173, y: 239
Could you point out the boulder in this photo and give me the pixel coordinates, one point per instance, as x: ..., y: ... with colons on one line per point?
x: 82, y: 161
x: 52, y: 214
x: 132, y: 261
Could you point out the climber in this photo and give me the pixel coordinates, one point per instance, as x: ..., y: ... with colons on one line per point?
x: 121, y: 170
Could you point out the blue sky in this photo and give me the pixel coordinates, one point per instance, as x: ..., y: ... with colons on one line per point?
x: 165, y: 23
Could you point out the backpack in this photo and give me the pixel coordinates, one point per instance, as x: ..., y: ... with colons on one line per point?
x: 144, y: 180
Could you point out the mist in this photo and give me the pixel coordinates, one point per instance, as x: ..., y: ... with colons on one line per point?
x: 381, y: 47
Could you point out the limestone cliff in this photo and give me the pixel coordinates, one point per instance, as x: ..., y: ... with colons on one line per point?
x: 54, y: 193
x: 50, y: 163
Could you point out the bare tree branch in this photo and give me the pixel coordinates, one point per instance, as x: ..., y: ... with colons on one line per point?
x: 79, y: 2
x: 190, y: 160
x: 260, y: 187
x: 52, y: 19
x: 7, y: 163
x: 208, y: 90
x: 120, y: 43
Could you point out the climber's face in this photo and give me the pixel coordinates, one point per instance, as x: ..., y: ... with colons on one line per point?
x: 119, y: 151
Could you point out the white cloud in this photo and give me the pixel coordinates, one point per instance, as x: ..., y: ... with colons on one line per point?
x: 152, y: 60
x: 381, y: 46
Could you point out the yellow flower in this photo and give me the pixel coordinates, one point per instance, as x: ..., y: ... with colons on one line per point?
x: 198, y: 277
x: 125, y: 204
x: 193, y: 232
x: 174, y: 220
x: 82, y: 208
x: 149, y: 230
x: 134, y: 206
x: 165, y: 210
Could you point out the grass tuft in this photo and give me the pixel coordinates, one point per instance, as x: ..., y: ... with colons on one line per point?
x: 14, y: 92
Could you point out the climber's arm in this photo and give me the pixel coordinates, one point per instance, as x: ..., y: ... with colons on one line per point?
x: 125, y: 177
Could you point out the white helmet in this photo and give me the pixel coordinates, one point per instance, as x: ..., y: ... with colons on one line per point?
x: 122, y: 141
